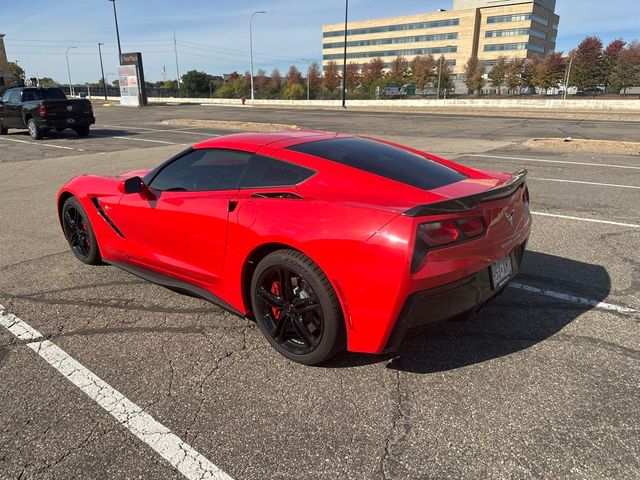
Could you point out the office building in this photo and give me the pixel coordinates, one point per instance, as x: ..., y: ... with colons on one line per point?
x: 484, y: 28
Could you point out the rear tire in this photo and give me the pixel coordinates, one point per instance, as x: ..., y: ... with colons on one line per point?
x: 34, y: 130
x: 82, y: 131
x: 296, y: 307
x: 79, y: 232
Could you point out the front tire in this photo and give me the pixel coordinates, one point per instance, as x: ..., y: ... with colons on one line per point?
x: 79, y: 232
x: 34, y: 130
x: 296, y: 307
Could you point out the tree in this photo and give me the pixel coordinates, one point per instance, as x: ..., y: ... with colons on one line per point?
x: 588, y: 70
x: 16, y: 70
x: 331, y: 76
x: 445, y: 74
x: 398, y: 70
x: 116, y: 83
x: 294, y: 91
x: 48, y: 82
x: 550, y: 72
x: 194, y: 83
x: 626, y: 71
x: 497, y: 75
x: 294, y: 76
x: 611, y: 54
x: 423, y: 71
x: 260, y: 83
x: 529, y: 70
x: 473, y: 71
x: 353, y: 76
x: 513, y: 74
x: 275, y: 84
x: 372, y: 73
x: 315, y: 79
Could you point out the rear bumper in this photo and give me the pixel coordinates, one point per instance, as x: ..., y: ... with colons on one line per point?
x: 466, y: 295
x: 81, y: 121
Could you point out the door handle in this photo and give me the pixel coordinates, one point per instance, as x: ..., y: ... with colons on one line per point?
x: 232, y: 205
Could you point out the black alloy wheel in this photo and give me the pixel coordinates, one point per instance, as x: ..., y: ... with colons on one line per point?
x: 79, y: 233
x: 296, y: 307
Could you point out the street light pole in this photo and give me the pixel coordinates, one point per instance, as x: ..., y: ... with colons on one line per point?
x: 439, y: 78
x: 66, y: 54
x: 251, y: 46
x: 104, y: 84
x: 568, y: 77
x: 115, y: 16
x: 344, y: 63
x: 308, y: 78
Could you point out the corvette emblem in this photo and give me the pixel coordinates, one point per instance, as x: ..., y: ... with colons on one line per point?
x: 69, y: 108
x: 509, y: 217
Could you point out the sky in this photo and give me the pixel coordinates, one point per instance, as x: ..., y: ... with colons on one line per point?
x: 213, y: 35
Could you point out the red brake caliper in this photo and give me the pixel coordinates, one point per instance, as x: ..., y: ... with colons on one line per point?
x: 275, y: 289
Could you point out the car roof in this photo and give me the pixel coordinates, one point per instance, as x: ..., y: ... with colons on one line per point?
x: 251, y: 142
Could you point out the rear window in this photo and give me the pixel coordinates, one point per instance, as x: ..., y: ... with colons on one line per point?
x: 31, y: 94
x: 384, y: 160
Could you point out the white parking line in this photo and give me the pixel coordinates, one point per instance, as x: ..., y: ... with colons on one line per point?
x: 169, y: 446
x: 553, y: 161
x: 584, y: 183
x: 136, y: 139
x: 588, y: 302
x: 41, y: 144
x: 581, y: 219
x: 200, y: 134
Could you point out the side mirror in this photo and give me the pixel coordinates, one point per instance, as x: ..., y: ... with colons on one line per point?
x: 133, y: 185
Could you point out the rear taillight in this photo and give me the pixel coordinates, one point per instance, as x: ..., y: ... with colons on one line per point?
x: 42, y: 111
x: 444, y: 233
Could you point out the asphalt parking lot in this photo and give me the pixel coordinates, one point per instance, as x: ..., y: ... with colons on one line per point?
x: 543, y: 383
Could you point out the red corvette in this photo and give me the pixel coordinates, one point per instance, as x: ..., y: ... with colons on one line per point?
x: 326, y: 240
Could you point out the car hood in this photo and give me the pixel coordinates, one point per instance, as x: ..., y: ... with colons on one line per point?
x: 134, y: 173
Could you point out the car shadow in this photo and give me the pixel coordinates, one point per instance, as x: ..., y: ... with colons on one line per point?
x: 515, y: 321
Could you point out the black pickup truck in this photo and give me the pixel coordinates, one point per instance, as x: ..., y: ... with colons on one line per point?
x: 42, y: 109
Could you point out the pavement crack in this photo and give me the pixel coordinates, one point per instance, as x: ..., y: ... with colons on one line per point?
x: 399, y: 430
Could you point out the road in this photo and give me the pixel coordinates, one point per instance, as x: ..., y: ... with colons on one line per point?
x: 543, y: 383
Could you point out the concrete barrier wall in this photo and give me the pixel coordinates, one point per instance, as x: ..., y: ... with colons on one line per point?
x: 632, y: 104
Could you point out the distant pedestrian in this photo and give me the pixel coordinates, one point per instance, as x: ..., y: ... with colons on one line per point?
x: 243, y: 100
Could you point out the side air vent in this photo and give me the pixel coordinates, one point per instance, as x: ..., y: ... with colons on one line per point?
x: 102, y: 213
x: 288, y: 195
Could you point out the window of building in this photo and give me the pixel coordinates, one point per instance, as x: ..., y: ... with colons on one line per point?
x: 555, y: 26
x: 384, y: 160
x: 540, y: 20
x: 514, y: 46
x: 388, y: 41
x: 394, y: 28
x: 515, y: 32
x: 518, y: 17
x: 393, y: 53
x: 202, y: 170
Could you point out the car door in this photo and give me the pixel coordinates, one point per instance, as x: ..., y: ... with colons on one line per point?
x: 11, y: 113
x: 178, y: 224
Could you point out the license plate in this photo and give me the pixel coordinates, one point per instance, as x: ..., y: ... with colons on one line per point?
x: 71, y: 120
x: 501, y: 271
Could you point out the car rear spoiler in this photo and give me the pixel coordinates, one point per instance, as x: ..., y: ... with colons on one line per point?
x: 463, y: 204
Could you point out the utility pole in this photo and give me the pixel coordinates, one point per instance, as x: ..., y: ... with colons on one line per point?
x: 175, y: 49
x: 115, y: 16
x: 308, y: 78
x: 439, y: 77
x: 66, y: 54
x: 344, y: 64
x: 251, y: 46
x: 104, y: 84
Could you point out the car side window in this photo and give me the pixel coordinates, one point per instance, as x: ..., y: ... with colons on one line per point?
x: 269, y: 172
x: 5, y: 97
x: 203, y: 170
x: 15, y: 96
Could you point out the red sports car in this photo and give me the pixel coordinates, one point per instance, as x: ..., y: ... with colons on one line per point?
x: 326, y: 240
